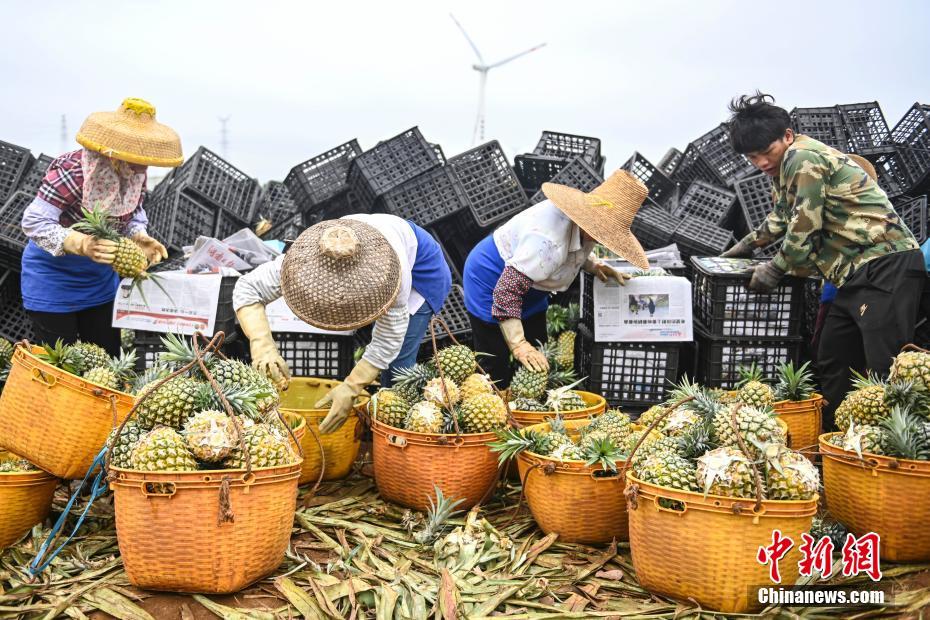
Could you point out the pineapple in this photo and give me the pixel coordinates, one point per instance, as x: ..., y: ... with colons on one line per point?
x: 528, y: 383
x: 865, y: 405
x: 116, y: 374
x: 650, y: 415
x: 210, y: 435
x: 127, y: 338
x: 424, y: 417
x: 661, y: 446
x: 89, y: 355
x: 62, y: 356
x: 441, y: 392
x: 865, y: 439
x: 601, y: 451
x: 483, y: 413
x: 409, y: 382
x: 632, y: 439
x: 616, y: 424
x: 513, y: 441
x: 475, y: 384
x: 265, y: 447
x: 680, y: 421
x: 912, y: 366
x: 834, y: 530
x: 162, y: 449
x: 567, y: 452
x: 794, y: 384
x: 755, y: 426
x: 389, y: 407
x: 456, y: 362
x: 121, y: 447
x: 565, y: 399
x: 129, y: 260
x: 6, y: 352
x: 725, y: 471
x: 528, y: 404
x: 900, y: 437
x: 555, y: 437
x: 244, y: 400
x: 789, y: 475
x: 172, y: 403
x: 752, y: 391
x: 149, y: 375
x: 16, y: 465
x: 668, y: 470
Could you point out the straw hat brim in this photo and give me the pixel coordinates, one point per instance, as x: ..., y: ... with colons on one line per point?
x: 124, y: 136
x: 600, y: 221
x: 340, y: 295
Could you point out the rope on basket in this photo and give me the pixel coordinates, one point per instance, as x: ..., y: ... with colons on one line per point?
x: 755, y: 470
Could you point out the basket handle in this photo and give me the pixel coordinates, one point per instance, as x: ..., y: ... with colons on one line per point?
x: 158, y: 489
x: 38, y: 375
x: 606, y: 475
x: 397, y: 441
x: 661, y: 508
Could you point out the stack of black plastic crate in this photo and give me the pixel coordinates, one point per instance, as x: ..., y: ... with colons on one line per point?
x: 20, y: 176
x: 276, y: 206
x: 206, y: 195
x: 735, y: 327
x: 552, y: 153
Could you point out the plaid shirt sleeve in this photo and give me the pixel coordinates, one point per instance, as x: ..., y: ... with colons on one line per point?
x: 63, y: 185
x: 508, y: 294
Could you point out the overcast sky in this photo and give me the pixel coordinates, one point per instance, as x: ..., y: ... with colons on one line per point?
x: 296, y: 78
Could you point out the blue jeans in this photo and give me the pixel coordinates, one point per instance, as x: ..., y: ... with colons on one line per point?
x: 416, y: 328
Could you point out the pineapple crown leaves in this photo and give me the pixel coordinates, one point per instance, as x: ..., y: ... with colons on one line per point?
x: 242, y: 399
x: 683, y: 389
x: 180, y: 352
x: 61, y: 356
x: 907, y: 394
x: 513, y: 441
x: 899, y: 435
x: 697, y: 441
x: 750, y: 373
x: 556, y: 320
x: 97, y: 223
x: 556, y: 424
x: 602, y: 451
x: 415, y: 376
x: 794, y: 384
x: 437, y: 515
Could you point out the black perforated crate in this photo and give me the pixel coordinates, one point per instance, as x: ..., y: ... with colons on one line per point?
x: 634, y: 375
x: 865, y: 126
x: 568, y: 146
x: 458, y: 235
x: 389, y: 164
x: 12, y: 239
x: 344, y: 203
x: 275, y: 203
x: 653, y: 225
x: 287, y: 230
x: 493, y: 190
x: 148, y: 347
x: 228, y: 224
x: 211, y: 178
x: 577, y: 174
x: 14, y: 162
x: 698, y: 237
x: 890, y: 169
x: 33, y: 178
x: 913, y: 212
x: 454, y: 314
x: 912, y: 135
x: 15, y: 324
x: 718, y: 360
x: 316, y: 355
x: 822, y: 124
x: 321, y: 177
x: 534, y: 170
x: 428, y: 198
x: 661, y: 188
x: 725, y: 307
x: 755, y: 198
x: 177, y: 218
x: 669, y: 161
x: 729, y: 165
x: 693, y: 167
x: 706, y: 201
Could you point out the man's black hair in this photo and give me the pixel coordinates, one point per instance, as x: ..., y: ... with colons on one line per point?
x: 755, y: 123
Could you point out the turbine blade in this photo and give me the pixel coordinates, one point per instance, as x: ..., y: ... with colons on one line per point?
x: 515, y: 56
x: 468, y: 38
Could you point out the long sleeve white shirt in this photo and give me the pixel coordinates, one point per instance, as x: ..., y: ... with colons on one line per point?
x: 263, y: 285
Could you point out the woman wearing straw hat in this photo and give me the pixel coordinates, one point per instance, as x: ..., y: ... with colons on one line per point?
x: 67, y: 283
x: 509, y: 275
x: 345, y: 274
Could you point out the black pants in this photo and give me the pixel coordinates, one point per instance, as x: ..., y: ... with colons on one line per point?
x: 872, y: 317
x: 488, y: 339
x: 90, y: 325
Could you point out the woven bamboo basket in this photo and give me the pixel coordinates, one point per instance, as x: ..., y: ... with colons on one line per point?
x: 883, y: 494
x: 298, y: 426
x: 408, y: 464
x: 171, y: 535
x: 340, y: 448
x: 54, y: 419
x: 705, y: 548
x: 581, y: 503
x: 596, y: 405
x: 803, y: 418
x: 25, y: 499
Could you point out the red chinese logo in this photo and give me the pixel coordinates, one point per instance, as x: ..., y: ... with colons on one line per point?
x: 859, y: 555
x: 773, y: 553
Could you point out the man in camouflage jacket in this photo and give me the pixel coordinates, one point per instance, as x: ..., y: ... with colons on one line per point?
x: 837, y: 223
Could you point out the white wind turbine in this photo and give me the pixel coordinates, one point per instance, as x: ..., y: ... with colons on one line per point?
x: 482, y: 69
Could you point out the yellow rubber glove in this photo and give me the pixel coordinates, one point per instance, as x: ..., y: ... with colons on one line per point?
x: 97, y: 250
x: 154, y: 251
x: 603, y: 272
x: 265, y: 356
x: 522, y: 351
x: 342, y: 397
